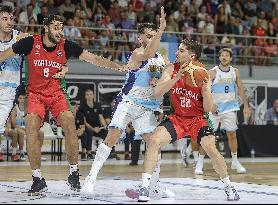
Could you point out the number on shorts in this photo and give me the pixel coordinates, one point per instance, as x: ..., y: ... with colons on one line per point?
x: 46, y: 72
x: 185, y: 102
x: 227, y: 89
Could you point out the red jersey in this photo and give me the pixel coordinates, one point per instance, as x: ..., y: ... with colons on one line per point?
x: 187, y: 101
x: 42, y: 65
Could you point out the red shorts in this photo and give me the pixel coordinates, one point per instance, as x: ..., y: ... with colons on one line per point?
x: 181, y: 127
x: 56, y: 103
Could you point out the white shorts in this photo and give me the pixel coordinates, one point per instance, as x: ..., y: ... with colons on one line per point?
x: 7, y: 96
x: 228, y: 121
x: 143, y: 119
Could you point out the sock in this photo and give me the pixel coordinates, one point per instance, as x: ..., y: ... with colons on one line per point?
x: 195, y: 155
x: 103, y: 152
x: 234, y: 157
x: 14, y: 151
x: 226, y: 181
x: 73, y: 168
x: 146, y: 179
x: 37, y: 173
x: 155, y: 176
x: 201, y: 159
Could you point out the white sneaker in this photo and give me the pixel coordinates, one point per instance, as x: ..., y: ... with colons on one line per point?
x: 239, y: 168
x: 161, y: 191
x: 199, y: 169
x: 88, y: 186
x: 231, y: 193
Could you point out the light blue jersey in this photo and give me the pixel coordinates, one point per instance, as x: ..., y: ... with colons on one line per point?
x: 10, y: 68
x: 137, y: 85
x: 224, y: 90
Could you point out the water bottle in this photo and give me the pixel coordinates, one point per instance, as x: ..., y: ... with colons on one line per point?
x: 252, y: 153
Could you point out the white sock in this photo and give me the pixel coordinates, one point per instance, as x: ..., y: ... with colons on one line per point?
x: 201, y: 159
x: 156, y: 173
x: 234, y: 157
x: 146, y: 179
x: 14, y: 151
x: 195, y: 155
x: 226, y: 181
x: 73, y: 168
x: 103, y: 152
x: 37, y: 173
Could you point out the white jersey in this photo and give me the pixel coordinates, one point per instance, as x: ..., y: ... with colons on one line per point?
x: 19, y: 116
x: 137, y: 86
x: 224, y: 90
x: 10, y: 68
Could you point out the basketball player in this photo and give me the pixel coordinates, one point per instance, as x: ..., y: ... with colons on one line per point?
x: 10, y: 68
x: 136, y: 102
x: 190, y: 104
x: 226, y: 82
x: 46, y: 56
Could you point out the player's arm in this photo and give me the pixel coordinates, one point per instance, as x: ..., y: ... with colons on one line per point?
x: 140, y: 55
x: 207, y: 96
x: 246, y: 108
x: 166, y: 82
x: 100, y: 61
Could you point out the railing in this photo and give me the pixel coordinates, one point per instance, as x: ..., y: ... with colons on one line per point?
x: 117, y: 43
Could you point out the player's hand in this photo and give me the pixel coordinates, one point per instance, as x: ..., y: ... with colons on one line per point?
x: 166, y: 60
x: 206, y: 87
x: 62, y: 73
x: 162, y: 20
x: 154, y: 82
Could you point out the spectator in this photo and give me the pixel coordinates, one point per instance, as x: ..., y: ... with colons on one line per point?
x: 179, y: 14
x: 94, y: 121
x: 25, y: 16
x: 220, y: 20
x: 125, y: 23
x: 271, y: 115
x: 245, y: 43
x: 80, y: 128
x: 115, y: 12
x: 52, y: 9
x: 193, y: 9
x: 43, y: 14
x: 72, y: 32
x: 67, y: 9
x: 138, y: 6
x: 270, y: 50
x: 132, y: 16
x: 147, y: 14
x: 237, y: 10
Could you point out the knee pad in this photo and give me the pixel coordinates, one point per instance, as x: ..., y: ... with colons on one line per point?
x: 203, y: 132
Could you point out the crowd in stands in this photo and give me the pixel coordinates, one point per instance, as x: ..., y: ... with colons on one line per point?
x: 207, y: 17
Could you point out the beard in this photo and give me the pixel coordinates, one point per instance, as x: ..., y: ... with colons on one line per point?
x: 52, y: 39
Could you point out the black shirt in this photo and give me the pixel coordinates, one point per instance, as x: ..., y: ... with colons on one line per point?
x: 79, y: 119
x: 107, y: 113
x: 92, y: 114
x: 25, y: 46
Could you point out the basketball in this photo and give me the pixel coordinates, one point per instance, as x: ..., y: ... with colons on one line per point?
x: 195, y: 70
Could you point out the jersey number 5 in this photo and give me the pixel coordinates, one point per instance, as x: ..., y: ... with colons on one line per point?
x: 185, y: 102
x: 46, y: 72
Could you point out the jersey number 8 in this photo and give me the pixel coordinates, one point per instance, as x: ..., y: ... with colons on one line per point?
x: 46, y: 72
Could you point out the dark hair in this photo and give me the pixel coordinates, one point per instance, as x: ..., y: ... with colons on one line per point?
x: 193, y: 46
x: 50, y: 18
x: 89, y: 90
x: 6, y: 8
x: 226, y: 50
x: 143, y: 26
